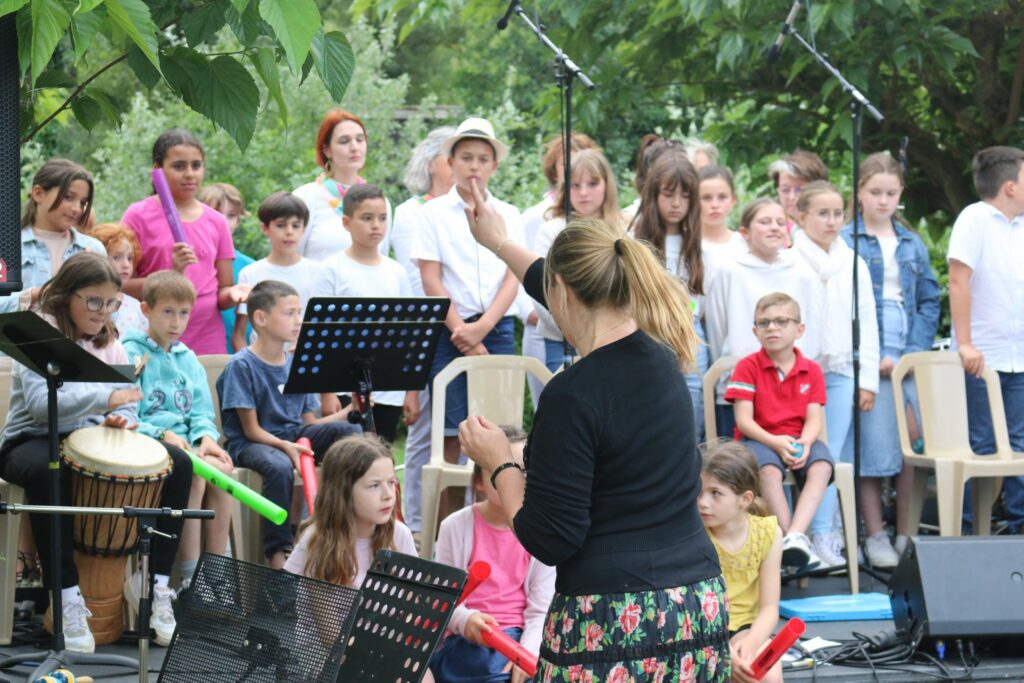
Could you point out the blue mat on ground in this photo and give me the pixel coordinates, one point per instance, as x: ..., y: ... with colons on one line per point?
x: 861, y: 607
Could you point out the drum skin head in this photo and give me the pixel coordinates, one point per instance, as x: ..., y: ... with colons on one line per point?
x: 116, y: 452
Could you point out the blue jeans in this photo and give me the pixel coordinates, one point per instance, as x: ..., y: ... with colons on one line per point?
x: 839, y: 426
x: 417, y: 454
x: 880, y: 454
x: 554, y: 354
x: 500, y: 341
x: 279, y: 474
x: 458, y: 660
x: 695, y: 382
x: 983, y: 440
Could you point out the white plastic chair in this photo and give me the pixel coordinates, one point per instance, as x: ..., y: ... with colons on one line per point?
x: 10, y: 525
x: 941, y: 390
x: 495, y: 386
x: 842, y: 472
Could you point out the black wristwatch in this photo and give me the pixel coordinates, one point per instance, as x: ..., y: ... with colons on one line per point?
x: 501, y: 468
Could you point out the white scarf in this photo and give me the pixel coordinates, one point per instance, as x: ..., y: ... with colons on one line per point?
x: 834, y: 269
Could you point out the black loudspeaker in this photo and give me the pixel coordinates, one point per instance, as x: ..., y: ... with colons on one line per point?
x: 960, y: 587
x: 10, y: 159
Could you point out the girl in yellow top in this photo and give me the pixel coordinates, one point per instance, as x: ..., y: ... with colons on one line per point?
x: 749, y: 546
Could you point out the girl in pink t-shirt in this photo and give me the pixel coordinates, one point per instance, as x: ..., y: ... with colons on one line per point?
x: 206, y: 257
x: 514, y: 599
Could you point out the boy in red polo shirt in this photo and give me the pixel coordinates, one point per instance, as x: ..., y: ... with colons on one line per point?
x: 779, y: 396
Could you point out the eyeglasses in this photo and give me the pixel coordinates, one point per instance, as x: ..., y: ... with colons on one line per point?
x: 97, y: 304
x: 781, y: 323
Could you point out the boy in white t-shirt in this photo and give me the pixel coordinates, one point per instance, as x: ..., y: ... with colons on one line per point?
x: 482, y: 289
x: 283, y: 218
x: 361, y: 271
x: 986, y: 303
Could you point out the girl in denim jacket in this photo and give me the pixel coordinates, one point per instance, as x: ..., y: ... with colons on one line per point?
x: 907, y: 305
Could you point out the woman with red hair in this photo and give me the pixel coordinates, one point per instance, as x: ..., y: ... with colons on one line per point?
x: 341, y: 152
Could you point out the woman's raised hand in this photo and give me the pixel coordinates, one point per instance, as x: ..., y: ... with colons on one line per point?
x: 487, y: 226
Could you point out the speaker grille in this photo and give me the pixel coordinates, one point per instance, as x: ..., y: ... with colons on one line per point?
x: 10, y: 159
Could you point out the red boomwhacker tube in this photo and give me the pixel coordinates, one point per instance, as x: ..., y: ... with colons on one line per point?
x: 478, y: 572
x: 307, y: 470
x: 778, y: 646
x: 516, y: 653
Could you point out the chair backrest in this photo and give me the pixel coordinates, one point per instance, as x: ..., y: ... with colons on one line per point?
x: 214, y: 366
x: 6, y: 382
x: 942, y: 393
x: 495, y: 388
x: 720, y: 367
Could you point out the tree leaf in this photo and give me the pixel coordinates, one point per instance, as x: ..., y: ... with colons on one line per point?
x: 240, y: 5
x: 23, y: 22
x: 85, y: 6
x: 84, y: 28
x: 9, y: 6
x: 334, y: 61
x: 87, y: 111
x: 265, y: 62
x: 55, y: 78
x: 143, y: 70
x: 49, y: 21
x: 182, y: 67
x: 295, y: 22
x: 307, y: 66
x: 230, y: 98
x: 110, y: 108
x: 133, y: 18
x: 202, y: 25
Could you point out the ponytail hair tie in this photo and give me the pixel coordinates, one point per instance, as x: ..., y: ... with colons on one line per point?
x: 618, y: 246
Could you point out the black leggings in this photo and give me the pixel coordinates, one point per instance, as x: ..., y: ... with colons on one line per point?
x: 26, y: 464
x: 385, y: 419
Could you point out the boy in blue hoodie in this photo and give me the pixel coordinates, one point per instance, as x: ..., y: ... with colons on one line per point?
x: 177, y: 407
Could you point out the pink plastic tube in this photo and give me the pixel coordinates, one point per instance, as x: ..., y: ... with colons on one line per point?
x: 163, y: 191
x: 307, y: 470
x: 782, y: 641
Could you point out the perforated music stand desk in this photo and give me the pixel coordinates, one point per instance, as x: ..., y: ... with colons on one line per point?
x: 366, y: 344
x: 44, y: 350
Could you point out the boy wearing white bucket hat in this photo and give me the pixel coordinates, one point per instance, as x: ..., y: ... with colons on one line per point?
x: 453, y: 265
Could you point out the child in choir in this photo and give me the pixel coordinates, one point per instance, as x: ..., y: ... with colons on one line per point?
x: 820, y: 212
x: 749, y: 545
x: 700, y: 153
x: 789, y: 176
x: 907, y: 306
x: 514, y: 599
x: 986, y: 250
x: 361, y: 271
x: 719, y: 245
x: 78, y: 301
x: 482, y: 289
x: 229, y: 201
x: 207, y: 254
x: 283, y: 219
x: 177, y: 408
x: 261, y: 422
x: 778, y: 395
x: 60, y: 197
x: 669, y: 219
x: 592, y: 194
x: 763, y: 266
x: 123, y: 251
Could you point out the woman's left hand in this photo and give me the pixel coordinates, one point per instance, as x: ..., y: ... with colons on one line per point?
x: 484, y: 442
x: 518, y: 675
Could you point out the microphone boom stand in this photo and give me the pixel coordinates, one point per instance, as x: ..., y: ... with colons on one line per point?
x: 566, y: 72
x: 858, y: 105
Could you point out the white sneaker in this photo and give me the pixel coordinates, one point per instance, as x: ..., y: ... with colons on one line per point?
x: 796, y: 552
x: 162, y: 619
x: 900, y: 544
x: 827, y: 547
x: 880, y: 552
x: 77, y: 636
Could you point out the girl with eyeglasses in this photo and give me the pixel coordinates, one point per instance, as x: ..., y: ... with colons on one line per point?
x: 79, y: 301
x: 820, y: 213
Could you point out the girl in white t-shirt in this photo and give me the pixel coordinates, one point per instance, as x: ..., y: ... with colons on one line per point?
x: 593, y: 194
x: 669, y: 219
x: 719, y: 245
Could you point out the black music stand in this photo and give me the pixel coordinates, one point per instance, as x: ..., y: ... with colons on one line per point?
x: 406, y: 605
x: 42, y: 348
x: 366, y: 344
x: 246, y: 622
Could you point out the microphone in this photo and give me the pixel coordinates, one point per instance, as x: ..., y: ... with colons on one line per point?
x: 776, y: 48
x: 503, y: 22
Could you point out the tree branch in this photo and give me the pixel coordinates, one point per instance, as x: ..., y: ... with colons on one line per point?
x: 67, y: 103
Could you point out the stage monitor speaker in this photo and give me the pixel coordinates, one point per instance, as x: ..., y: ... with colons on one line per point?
x: 10, y: 159
x: 960, y: 587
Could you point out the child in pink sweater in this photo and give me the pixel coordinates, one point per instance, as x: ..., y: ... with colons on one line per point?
x: 514, y: 599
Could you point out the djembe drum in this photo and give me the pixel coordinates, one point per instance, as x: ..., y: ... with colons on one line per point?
x: 110, y: 468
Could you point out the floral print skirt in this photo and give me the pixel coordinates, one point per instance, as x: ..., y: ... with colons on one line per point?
x: 676, y: 635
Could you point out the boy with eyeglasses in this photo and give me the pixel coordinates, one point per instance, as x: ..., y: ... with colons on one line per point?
x: 778, y: 396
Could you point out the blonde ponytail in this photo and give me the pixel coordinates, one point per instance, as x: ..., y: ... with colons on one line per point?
x: 605, y: 268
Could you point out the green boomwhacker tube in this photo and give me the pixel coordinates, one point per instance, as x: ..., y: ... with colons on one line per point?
x: 275, y: 513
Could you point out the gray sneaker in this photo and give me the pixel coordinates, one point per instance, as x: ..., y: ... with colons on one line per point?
x: 879, y: 551
x: 827, y: 548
